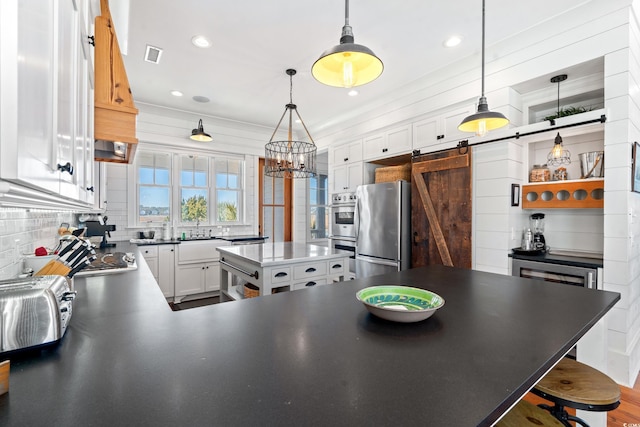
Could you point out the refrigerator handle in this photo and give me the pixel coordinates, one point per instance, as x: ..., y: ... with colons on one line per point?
x: 356, y: 218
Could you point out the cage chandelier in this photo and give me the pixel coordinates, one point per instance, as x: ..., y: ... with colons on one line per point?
x: 290, y: 158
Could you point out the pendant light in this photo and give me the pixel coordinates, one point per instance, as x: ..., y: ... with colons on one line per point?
x: 347, y: 64
x: 483, y: 120
x: 290, y: 159
x: 558, y: 155
x: 199, y: 134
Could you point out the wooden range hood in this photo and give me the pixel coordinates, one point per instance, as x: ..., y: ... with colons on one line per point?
x: 115, y: 113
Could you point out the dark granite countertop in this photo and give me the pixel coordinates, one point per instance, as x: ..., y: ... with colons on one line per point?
x: 232, y: 239
x: 552, y: 258
x: 309, y: 357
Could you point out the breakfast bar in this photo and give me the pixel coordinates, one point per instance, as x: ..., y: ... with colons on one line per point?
x: 315, y: 357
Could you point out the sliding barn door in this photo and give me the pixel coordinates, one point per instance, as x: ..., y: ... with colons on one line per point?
x: 441, y: 209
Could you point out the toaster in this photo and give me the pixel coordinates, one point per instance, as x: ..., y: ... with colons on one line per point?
x: 34, y: 311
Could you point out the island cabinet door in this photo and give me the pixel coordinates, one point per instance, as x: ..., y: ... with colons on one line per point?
x: 190, y: 279
x: 308, y: 284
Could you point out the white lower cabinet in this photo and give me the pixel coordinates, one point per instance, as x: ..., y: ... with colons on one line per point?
x: 197, y: 268
x: 161, y: 261
x: 166, y: 270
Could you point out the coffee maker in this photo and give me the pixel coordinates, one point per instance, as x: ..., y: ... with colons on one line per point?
x: 94, y: 228
x: 536, y: 223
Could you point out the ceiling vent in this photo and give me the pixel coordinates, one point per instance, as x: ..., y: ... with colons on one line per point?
x: 152, y: 54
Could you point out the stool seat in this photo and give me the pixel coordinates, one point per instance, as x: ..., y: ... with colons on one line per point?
x: 526, y: 414
x: 576, y: 385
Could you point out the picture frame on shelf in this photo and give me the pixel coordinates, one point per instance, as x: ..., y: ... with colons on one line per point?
x: 635, y: 177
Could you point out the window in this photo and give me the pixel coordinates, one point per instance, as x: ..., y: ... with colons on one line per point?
x: 228, y: 190
x: 154, y: 189
x: 186, y: 189
x: 318, y: 207
x: 194, y: 189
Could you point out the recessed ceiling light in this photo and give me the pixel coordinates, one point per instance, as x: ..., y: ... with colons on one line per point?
x: 452, y: 41
x: 199, y: 98
x: 353, y: 92
x: 200, y: 41
x: 176, y: 93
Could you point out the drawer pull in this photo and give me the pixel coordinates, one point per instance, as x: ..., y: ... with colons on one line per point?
x: 311, y: 284
x: 310, y: 270
x: 281, y: 274
x: 336, y: 266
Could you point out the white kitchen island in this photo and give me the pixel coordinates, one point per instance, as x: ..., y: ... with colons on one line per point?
x: 275, y: 267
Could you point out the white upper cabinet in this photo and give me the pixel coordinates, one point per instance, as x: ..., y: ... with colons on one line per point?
x: 389, y: 143
x: 439, y: 131
x: 347, y: 153
x: 46, y: 105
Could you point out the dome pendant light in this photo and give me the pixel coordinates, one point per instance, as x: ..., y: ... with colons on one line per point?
x: 290, y: 159
x: 347, y: 64
x: 483, y: 120
x: 199, y: 134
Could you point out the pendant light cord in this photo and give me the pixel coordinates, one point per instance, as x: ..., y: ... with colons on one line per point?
x: 482, y: 47
x: 558, y: 113
x: 346, y: 12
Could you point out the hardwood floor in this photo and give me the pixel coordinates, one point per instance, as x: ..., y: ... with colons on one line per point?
x: 626, y: 415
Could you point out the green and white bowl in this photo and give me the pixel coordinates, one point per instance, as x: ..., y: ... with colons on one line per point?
x: 400, y: 303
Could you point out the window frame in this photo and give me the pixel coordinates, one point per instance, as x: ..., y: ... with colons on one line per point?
x: 133, y: 195
x: 309, y: 205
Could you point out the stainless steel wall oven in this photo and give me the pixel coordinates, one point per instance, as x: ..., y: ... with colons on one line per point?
x: 343, y: 207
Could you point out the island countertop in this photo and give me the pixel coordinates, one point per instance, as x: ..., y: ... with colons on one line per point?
x: 313, y: 357
x: 280, y: 253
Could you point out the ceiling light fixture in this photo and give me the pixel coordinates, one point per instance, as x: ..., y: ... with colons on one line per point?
x: 347, y: 64
x: 176, y: 93
x: 290, y: 159
x: 199, y: 134
x: 483, y: 120
x: 200, y: 41
x: 558, y: 155
x: 353, y: 92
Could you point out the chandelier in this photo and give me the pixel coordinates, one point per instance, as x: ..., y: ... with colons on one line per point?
x: 290, y: 159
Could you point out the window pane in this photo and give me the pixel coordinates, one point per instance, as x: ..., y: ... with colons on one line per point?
x: 200, y: 179
x: 193, y: 205
x: 279, y: 193
x: 186, y: 162
x: 278, y: 226
x: 267, y: 215
x: 145, y: 159
x: 201, y: 164
x: 154, y: 203
x: 227, y: 205
x: 233, y: 181
x: 163, y: 161
x: 221, y: 180
x: 162, y: 176
x: 319, y: 220
x: 145, y: 175
x: 186, y: 178
x: 268, y: 190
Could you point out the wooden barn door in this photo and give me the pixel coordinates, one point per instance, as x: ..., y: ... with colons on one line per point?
x: 441, y: 209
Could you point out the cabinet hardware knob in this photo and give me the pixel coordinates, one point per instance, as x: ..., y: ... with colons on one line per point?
x: 281, y: 274
x: 92, y: 40
x: 384, y: 150
x: 311, y: 284
x: 310, y: 270
x: 336, y: 266
x: 440, y: 137
x: 90, y: 188
x: 66, y: 168
x: 346, y: 159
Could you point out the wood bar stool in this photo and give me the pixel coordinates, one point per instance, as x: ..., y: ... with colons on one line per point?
x: 526, y: 414
x: 576, y: 385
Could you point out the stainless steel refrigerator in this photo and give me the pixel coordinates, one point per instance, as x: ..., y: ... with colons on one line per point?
x: 383, y: 228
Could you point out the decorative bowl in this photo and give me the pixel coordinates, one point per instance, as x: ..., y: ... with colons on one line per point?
x: 400, y: 303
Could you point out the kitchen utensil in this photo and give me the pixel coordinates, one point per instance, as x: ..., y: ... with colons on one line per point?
x: 527, y: 240
x: 592, y: 164
x: 400, y: 303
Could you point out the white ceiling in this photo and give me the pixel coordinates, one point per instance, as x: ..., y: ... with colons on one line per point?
x: 254, y: 42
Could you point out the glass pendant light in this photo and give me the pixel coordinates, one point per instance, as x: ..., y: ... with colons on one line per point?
x: 199, y: 134
x: 558, y: 155
x: 347, y: 64
x: 290, y: 159
x: 483, y: 120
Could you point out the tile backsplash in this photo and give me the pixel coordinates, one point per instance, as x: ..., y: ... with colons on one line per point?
x: 23, y: 230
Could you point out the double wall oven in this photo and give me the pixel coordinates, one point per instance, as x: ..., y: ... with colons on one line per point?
x: 343, y: 232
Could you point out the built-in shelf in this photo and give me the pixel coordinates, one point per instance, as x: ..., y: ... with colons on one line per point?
x: 571, y: 194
